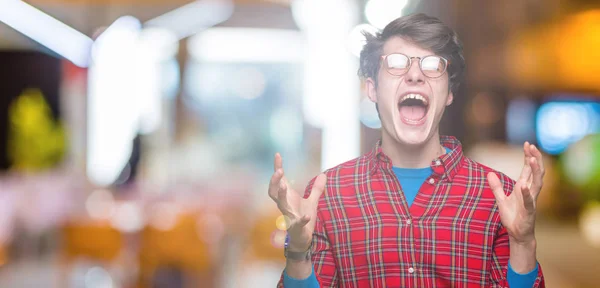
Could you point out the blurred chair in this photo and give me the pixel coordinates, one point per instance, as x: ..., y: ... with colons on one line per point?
x: 3, y: 256
x: 167, y: 255
x: 266, y: 241
x: 95, y: 241
x: 263, y: 261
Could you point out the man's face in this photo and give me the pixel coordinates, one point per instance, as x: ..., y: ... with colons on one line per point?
x: 404, y: 120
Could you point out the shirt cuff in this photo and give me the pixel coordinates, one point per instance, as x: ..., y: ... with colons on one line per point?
x: 310, y: 282
x: 518, y: 280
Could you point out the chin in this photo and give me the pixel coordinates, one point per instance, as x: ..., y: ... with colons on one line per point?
x: 413, y: 136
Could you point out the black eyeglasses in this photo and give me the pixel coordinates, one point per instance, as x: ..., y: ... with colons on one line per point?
x: 431, y: 66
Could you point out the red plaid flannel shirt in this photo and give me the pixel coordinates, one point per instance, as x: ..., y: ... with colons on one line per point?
x: 451, y: 236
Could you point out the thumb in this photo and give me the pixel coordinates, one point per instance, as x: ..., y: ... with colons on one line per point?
x: 318, y: 188
x: 496, y: 187
x: 303, y: 221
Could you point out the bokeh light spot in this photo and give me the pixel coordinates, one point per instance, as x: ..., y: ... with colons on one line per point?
x: 283, y: 222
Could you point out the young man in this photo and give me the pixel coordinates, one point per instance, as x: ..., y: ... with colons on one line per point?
x: 413, y: 212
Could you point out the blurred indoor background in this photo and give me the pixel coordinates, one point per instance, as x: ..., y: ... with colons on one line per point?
x: 137, y: 136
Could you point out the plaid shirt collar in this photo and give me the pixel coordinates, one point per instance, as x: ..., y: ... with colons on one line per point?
x: 447, y: 167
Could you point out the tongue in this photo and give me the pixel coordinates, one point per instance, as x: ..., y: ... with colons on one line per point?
x: 415, y: 113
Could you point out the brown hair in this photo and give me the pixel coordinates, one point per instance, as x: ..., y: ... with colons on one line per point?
x: 425, y: 31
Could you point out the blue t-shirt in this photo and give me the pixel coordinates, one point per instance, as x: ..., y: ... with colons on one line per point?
x: 411, y: 181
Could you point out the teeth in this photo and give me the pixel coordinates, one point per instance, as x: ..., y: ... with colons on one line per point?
x: 414, y: 96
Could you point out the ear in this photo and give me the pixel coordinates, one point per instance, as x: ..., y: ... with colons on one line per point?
x: 371, y: 89
x: 450, y: 99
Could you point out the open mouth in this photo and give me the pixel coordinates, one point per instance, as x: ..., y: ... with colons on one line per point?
x: 413, y: 108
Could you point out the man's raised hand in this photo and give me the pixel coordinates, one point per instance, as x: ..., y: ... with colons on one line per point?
x: 300, y: 213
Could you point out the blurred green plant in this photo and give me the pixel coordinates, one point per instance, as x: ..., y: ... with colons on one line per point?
x: 35, y: 141
x: 581, y: 166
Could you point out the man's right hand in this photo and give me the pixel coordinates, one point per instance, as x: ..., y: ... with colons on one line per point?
x: 300, y: 213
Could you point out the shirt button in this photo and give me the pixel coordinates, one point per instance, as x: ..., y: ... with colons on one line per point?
x: 431, y: 181
x: 438, y: 162
x: 408, y: 222
x: 411, y: 270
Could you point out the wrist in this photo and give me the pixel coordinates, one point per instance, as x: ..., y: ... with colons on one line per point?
x: 294, y: 245
x: 523, y: 255
x: 527, y: 241
x: 298, y: 248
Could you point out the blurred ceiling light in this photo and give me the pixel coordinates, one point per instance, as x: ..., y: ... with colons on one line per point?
x: 330, y: 99
x: 194, y: 17
x: 381, y: 12
x: 318, y: 14
x: 253, y: 45
x: 356, y: 39
x: 154, y: 48
x: 46, y: 30
x: 124, y: 32
x: 113, y: 116
x: 158, y: 43
x: 126, y: 82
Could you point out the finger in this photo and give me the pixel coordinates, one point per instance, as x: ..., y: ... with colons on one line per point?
x: 538, y: 177
x: 526, y: 171
x: 303, y: 221
x: 274, y: 184
x: 278, y: 165
x: 517, y: 191
x: 527, y: 151
x: 282, y: 202
x: 278, y: 162
x: 528, y: 200
x: 496, y: 187
x: 535, y: 152
x: 318, y: 188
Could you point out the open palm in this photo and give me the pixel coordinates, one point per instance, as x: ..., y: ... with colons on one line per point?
x: 517, y: 211
x: 300, y: 212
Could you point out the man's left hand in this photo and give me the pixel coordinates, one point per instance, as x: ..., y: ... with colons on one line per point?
x: 517, y: 211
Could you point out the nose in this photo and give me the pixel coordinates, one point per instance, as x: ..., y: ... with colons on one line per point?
x: 414, y: 76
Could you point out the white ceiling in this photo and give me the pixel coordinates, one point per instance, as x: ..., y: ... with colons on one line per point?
x: 88, y: 18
